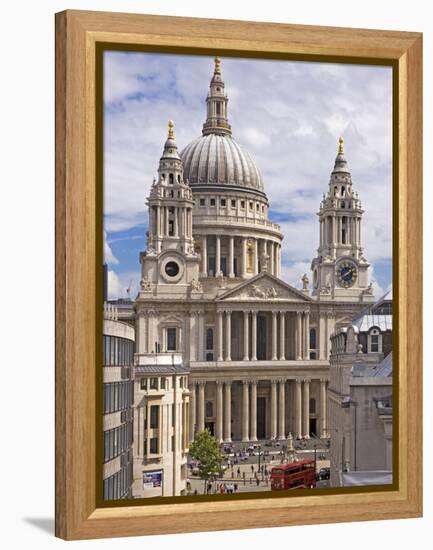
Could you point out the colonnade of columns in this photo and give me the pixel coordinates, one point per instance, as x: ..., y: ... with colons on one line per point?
x: 278, y: 406
x: 249, y: 332
x: 248, y: 252
x: 331, y: 229
x: 161, y: 216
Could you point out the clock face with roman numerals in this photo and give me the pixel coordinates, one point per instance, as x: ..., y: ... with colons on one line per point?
x: 346, y: 274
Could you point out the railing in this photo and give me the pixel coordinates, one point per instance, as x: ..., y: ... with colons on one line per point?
x: 244, y: 220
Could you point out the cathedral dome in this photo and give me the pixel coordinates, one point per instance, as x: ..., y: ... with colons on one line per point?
x: 214, y: 158
x: 217, y: 159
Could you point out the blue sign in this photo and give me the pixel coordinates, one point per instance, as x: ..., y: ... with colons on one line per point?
x: 152, y: 480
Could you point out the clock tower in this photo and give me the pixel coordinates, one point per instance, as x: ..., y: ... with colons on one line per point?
x: 170, y: 264
x: 340, y: 271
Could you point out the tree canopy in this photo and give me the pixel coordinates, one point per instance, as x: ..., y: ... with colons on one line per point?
x: 205, y: 450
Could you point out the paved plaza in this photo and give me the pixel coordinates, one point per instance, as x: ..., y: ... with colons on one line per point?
x: 249, y: 470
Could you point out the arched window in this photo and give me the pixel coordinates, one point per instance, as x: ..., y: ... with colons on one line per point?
x: 374, y: 341
x: 171, y: 179
x: 312, y: 406
x: 209, y: 409
x: 209, y: 339
x: 342, y: 191
x: 178, y: 178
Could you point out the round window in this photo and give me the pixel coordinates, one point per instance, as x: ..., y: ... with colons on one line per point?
x: 172, y: 269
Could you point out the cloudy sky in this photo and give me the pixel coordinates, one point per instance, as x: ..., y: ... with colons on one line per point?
x: 288, y: 115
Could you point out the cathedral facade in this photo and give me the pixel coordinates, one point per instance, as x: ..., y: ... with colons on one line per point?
x: 256, y: 348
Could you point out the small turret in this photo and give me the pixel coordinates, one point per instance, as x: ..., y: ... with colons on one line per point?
x: 217, y: 117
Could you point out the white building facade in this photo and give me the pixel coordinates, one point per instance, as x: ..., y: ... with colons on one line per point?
x: 257, y: 349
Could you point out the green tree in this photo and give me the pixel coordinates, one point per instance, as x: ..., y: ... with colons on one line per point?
x: 205, y: 450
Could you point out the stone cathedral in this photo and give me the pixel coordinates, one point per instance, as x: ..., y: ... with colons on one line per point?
x: 256, y: 348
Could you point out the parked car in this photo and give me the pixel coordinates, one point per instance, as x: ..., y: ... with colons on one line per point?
x: 324, y: 474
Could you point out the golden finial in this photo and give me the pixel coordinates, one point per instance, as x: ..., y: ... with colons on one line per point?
x: 217, y: 65
x: 170, y: 129
x: 341, y: 146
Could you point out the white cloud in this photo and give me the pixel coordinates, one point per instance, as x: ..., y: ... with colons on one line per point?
x: 288, y: 115
x: 120, y: 282
x: 109, y: 257
x: 378, y: 291
x: 293, y: 273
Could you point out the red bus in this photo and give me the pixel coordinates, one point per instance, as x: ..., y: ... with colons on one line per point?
x: 296, y: 475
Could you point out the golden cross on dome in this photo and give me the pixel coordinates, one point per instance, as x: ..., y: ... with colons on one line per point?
x: 170, y: 129
x: 341, y: 146
x: 217, y: 65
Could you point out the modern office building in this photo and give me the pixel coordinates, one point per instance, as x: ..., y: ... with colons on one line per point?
x: 118, y: 401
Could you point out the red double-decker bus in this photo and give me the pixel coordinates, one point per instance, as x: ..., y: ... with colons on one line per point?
x: 296, y: 475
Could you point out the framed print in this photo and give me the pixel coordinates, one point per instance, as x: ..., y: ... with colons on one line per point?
x: 238, y: 274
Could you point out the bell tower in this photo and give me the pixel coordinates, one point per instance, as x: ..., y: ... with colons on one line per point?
x: 340, y: 271
x: 170, y: 256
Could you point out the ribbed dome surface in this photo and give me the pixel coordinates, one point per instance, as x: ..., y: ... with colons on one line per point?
x: 218, y: 159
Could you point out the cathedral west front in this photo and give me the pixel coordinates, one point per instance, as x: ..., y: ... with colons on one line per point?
x: 221, y: 341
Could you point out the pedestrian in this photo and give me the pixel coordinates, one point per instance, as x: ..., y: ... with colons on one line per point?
x: 239, y: 471
x: 258, y: 482
x: 236, y: 487
x: 233, y: 474
x: 195, y: 492
x: 252, y: 467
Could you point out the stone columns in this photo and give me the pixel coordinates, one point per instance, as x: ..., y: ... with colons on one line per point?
x: 220, y: 335
x: 200, y: 414
x: 274, y: 336
x: 253, y: 436
x: 276, y: 259
x: 282, y: 409
x: 231, y: 270
x: 204, y: 257
x: 246, y: 335
x: 167, y: 221
x: 299, y: 335
x: 176, y: 223
x: 193, y: 336
x: 228, y: 336
x: 192, y: 409
x: 306, y: 403
x: 256, y: 256
x: 217, y: 255
x: 219, y: 411
x: 273, y: 409
x: 306, y: 335
x: 254, y: 336
x: 322, y: 340
x: 298, y: 409
x: 141, y: 338
x: 323, y: 409
x: 228, y: 411
x: 282, y: 335
x: 200, y: 347
x: 245, y: 410
x: 271, y: 259
x: 244, y: 256
x: 158, y: 222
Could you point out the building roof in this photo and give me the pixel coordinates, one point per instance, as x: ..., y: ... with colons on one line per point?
x: 218, y: 159
x: 381, y: 370
x: 161, y: 369
x: 368, y: 320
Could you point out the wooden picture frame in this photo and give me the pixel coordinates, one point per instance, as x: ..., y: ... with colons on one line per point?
x: 79, y: 252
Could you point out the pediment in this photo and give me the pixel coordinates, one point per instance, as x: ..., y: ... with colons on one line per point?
x: 264, y: 287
